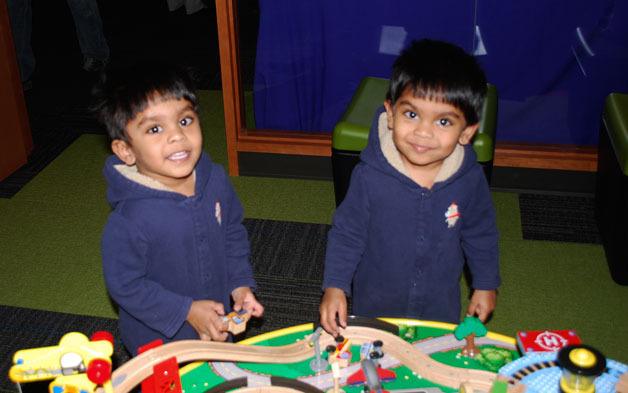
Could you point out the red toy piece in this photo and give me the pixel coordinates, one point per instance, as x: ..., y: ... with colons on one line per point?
x: 102, y: 335
x: 371, y: 376
x: 546, y: 340
x: 99, y: 371
x: 165, y: 378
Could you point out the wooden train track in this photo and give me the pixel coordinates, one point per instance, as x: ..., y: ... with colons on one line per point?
x: 421, y: 363
x: 532, y: 368
x: 139, y: 368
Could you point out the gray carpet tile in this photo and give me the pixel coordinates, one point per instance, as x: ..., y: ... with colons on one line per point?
x: 287, y: 301
x: 558, y: 218
x: 287, y: 249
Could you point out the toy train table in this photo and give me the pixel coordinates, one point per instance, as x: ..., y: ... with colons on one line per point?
x: 388, y: 355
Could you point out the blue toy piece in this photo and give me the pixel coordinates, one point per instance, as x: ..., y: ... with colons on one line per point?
x: 540, y: 373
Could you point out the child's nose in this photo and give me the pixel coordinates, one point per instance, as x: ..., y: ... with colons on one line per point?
x: 423, y: 129
x: 176, y: 134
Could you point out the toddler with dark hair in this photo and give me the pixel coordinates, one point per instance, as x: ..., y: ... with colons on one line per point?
x: 418, y: 206
x: 175, y: 252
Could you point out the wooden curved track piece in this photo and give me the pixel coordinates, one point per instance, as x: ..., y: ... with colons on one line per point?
x: 137, y: 369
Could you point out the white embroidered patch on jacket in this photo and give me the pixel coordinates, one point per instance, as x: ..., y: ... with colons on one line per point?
x: 218, y: 213
x: 452, y: 215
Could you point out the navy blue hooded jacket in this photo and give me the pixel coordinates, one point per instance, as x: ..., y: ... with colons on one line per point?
x: 402, y: 246
x: 161, y: 250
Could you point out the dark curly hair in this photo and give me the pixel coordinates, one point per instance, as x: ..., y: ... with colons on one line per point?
x: 440, y: 71
x: 123, y: 93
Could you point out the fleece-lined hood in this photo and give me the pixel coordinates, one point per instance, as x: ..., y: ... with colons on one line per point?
x: 124, y: 182
x: 381, y: 154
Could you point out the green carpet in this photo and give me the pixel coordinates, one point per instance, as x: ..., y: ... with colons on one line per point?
x: 3, y: 202
x: 50, y: 253
x: 52, y: 245
x: 550, y: 285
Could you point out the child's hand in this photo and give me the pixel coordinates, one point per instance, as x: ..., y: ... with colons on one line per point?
x: 205, y: 316
x: 482, y: 303
x: 334, y: 304
x: 243, y: 298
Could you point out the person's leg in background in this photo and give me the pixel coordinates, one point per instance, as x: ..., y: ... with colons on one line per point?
x: 90, y: 34
x: 21, y: 15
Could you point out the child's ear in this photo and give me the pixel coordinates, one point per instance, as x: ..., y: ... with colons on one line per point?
x: 389, y: 113
x: 123, y: 151
x: 467, y: 134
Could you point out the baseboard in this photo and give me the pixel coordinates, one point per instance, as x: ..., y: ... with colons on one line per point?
x: 507, y: 154
x: 285, y: 165
x: 540, y: 181
x: 546, y: 156
x: 515, y: 179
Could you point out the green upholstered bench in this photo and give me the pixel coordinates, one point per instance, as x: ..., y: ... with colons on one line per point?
x: 611, y: 193
x: 351, y: 132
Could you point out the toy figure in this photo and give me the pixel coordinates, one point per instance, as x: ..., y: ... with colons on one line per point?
x: 581, y: 364
x: 236, y: 321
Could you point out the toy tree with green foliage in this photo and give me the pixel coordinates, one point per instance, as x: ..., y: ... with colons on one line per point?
x: 470, y: 328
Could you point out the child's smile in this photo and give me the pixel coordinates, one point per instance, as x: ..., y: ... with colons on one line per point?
x: 421, y: 148
x: 179, y: 156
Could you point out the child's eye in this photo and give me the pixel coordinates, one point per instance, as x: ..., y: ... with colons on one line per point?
x: 410, y: 114
x: 186, y: 121
x: 444, y: 122
x: 154, y: 130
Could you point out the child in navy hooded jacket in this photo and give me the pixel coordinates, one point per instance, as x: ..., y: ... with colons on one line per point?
x: 418, y: 205
x: 175, y: 252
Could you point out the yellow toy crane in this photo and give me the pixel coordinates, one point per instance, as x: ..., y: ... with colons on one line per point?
x: 76, y: 365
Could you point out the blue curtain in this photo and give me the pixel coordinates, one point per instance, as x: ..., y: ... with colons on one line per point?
x: 552, y: 62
